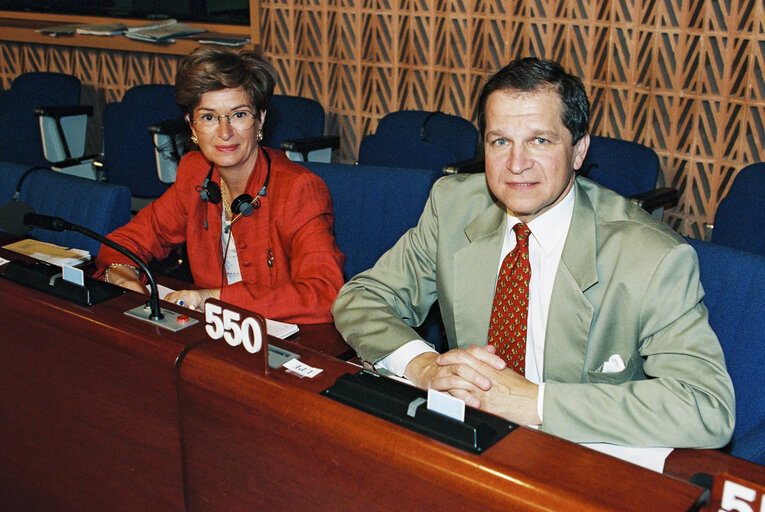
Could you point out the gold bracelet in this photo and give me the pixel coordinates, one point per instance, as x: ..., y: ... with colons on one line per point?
x: 106, y: 272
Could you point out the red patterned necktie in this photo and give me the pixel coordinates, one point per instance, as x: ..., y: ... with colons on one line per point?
x: 510, y: 310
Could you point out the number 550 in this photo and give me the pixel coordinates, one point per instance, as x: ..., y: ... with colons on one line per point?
x: 226, y: 324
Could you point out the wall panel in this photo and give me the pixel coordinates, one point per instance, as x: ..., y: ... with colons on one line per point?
x: 684, y: 77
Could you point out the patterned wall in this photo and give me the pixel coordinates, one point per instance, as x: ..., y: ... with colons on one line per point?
x: 682, y: 76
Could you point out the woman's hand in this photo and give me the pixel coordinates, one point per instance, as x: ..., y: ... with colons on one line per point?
x: 125, y: 276
x: 193, y: 299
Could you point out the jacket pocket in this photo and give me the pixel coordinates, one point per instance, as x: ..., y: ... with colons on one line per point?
x: 626, y: 375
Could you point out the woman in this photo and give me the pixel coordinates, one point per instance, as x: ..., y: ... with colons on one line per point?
x: 258, y: 227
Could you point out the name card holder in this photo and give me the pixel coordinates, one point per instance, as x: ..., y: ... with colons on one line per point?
x: 404, y: 404
x: 734, y: 494
x: 239, y: 328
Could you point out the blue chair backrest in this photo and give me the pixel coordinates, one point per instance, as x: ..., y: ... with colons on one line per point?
x: 292, y: 118
x: 100, y: 207
x: 20, y: 140
x: 419, y: 139
x: 734, y: 283
x: 128, y: 154
x: 623, y: 166
x: 373, y: 207
x: 740, y: 217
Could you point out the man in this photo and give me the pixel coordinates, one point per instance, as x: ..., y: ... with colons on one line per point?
x: 617, y: 344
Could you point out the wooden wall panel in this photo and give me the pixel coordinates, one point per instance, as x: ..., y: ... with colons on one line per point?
x: 684, y: 77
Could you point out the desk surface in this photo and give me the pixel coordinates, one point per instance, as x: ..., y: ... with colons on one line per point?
x: 108, y: 412
x: 25, y: 31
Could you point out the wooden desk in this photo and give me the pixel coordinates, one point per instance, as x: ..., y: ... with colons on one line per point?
x: 89, y: 414
x: 22, y: 28
x: 98, y: 412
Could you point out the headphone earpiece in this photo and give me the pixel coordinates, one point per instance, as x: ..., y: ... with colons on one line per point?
x: 209, y: 190
x: 244, y: 205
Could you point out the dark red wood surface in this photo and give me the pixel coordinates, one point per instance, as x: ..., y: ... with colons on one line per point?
x: 88, y: 406
x: 271, y: 442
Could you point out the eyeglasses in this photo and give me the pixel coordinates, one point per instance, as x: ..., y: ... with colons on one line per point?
x: 240, y: 120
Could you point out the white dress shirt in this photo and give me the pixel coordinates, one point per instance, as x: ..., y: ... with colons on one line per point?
x: 548, y: 235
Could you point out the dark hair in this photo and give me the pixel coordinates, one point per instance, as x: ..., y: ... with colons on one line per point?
x: 213, y: 69
x: 532, y: 74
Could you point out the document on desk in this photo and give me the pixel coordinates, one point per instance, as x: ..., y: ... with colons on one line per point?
x: 649, y: 458
x: 51, y: 253
x: 281, y: 330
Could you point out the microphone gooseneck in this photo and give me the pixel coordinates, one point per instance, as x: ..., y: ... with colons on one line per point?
x: 59, y: 224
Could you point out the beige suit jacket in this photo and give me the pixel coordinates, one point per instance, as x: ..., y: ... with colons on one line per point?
x: 627, y: 285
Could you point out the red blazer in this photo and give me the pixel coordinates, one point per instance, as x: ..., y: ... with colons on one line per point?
x: 290, y: 264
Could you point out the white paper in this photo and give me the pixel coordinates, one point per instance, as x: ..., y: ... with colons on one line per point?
x: 650, y: 458
x: 51, y: 253
x: 73, y: 275
x: 446, y: 404
x: 301, y: 369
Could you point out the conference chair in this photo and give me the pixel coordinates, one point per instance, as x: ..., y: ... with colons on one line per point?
x: 629, y: 168
x: 100, y: 207
x: 128, y: 156
x: 20, y: 139
x: 739, y: 221
x: 374, y: 207
x: 419, y: 139
x: 296, y: 125
x: 734, y: 283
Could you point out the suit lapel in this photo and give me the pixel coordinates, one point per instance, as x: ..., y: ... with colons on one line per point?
x: 475, y: 275
x: 570, y: 314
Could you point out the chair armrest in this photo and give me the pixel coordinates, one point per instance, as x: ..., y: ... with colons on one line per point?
x: 170, y: 143
x: 664, y: 197
x: 471, y: 165
x: 63, y: 131
x: 309, y: 144
x: 60, y: 111
x: 170, y: 127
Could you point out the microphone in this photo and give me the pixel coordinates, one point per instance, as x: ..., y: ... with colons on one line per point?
x: 31, y: 219
x: 12, y: 218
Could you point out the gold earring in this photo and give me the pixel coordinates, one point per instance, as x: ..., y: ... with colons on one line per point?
x: 260, y: 134
x: 194, y: 138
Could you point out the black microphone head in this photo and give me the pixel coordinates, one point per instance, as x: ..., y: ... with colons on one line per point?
x: 12, y: 218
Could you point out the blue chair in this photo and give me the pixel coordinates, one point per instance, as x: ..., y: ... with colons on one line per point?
x: 734, y: 283
x: 20, y: 140
x: 419, y: 139
x: 296, y: 125
x: 740, y: 218
x: 98, y: 206
x: 373, y: 207
x: 128, y: 148
x: 629, y: 168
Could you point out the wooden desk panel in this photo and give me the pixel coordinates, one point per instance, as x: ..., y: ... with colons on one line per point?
x: 271, y: 442
x: 89, y: 411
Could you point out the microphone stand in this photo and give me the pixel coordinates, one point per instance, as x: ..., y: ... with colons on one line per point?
x: 156, y: 312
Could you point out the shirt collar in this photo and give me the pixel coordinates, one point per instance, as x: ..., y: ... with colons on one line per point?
x: 550, y: 228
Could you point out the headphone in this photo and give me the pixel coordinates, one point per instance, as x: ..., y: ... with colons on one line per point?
x: 241, y: 206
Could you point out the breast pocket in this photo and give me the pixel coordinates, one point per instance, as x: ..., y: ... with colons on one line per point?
x: 606, y: 377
